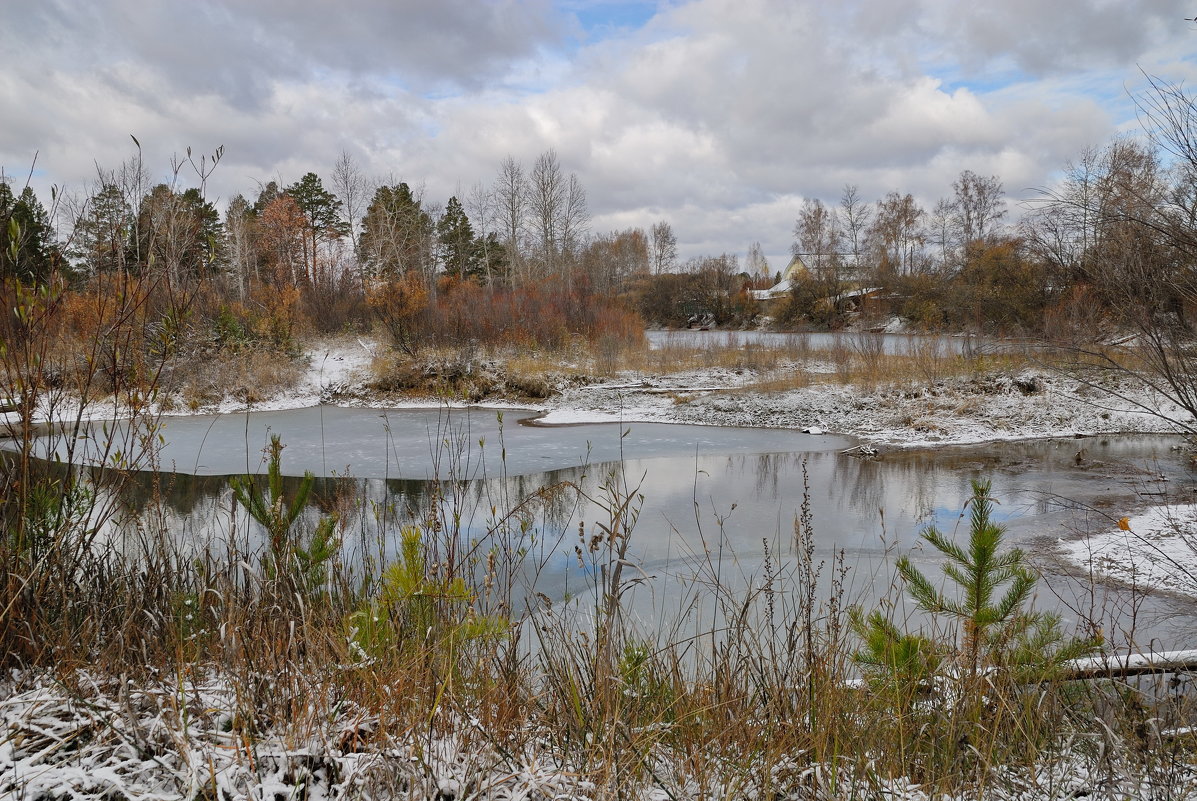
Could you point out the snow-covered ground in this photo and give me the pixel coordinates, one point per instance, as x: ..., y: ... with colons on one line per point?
x: 987, y: 407
x: 1155, y: 549
x: 1029, y: 405
x: 957, y: 410
x: 103, y: 740
x: 334, y: 366
x: 98, y: 737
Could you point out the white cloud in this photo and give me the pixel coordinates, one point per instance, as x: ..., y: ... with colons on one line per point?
x: 719, y: 115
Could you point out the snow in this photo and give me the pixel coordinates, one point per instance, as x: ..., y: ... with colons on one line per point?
x: 984, y: 408
x: 91, y: 737
x: 334, y: 367
x: 921, y: 412
x: 1129, y: 664
x: 1157, y: 550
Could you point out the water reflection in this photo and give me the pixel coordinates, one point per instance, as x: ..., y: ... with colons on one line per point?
x: 863, y: 342
x: 711, y: 503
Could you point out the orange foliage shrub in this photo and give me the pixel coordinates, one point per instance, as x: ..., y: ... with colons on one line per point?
x: 398, y: 305
x: 273, y: 313
x: 546, y: 315
x: 1078, y: 317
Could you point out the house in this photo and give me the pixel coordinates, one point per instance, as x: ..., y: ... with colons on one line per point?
x: 848, y: 266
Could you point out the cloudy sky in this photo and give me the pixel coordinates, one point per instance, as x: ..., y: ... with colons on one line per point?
x: 717, y: 115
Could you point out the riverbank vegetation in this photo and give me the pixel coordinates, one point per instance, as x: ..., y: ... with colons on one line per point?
x: 142, y: 663
x: 513, y: 270
x: 283, y: 657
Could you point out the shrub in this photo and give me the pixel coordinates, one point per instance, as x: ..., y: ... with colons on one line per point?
x: 288, y: 559
x: 415, y: 611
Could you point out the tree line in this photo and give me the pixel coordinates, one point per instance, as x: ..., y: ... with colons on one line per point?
x: 1114, y: 234
x: 529, y: 224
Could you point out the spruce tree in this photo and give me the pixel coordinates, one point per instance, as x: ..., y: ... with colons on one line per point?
x: 459, y: 251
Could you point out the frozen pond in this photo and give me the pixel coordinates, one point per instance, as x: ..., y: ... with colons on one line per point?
x: 429, y: 443
x: 710, y: 502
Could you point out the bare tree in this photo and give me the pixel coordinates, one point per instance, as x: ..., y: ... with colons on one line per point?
x: 818, y: 241
x: 1122, y: 224
x: 575, y: 220
x: 979, y: 206
x: 546, y: 200
x: 941, y: 232
x: 1062, y: 225
x: 480, y: 206
x: 559, y: 215
x: 854, y: 217
x: 609, y: 260
x: 896, y: 236
x: 663, y: 248
x: 240, y: 243
x: 755, y: 264
x: 350, y: 186
x: 397, y: 235
x: 510, y: 194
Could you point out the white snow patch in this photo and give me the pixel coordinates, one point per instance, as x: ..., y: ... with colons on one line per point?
x: 984, y: 408
x: 1159, y: 551
x: 931, y: 411
x: 106, y: 738
x: 334, y: 367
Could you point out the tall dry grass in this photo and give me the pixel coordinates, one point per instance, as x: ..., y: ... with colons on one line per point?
x: 747, y: 687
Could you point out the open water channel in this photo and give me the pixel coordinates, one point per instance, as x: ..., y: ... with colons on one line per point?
x: 710, y: 502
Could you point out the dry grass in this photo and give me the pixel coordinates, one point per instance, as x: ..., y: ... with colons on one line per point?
x: 187, y: 660
x: 250, y: 376
x: 761, y: 701
x: 757, y: 696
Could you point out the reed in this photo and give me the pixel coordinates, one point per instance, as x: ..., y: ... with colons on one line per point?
x: 143, y: 662
x: 443, y: 670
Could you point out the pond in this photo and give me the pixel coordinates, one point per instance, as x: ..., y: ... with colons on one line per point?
x: 710, y: 503
x: 806, y: 342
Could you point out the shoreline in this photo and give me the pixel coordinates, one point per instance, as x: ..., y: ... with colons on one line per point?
x: 985, y: 407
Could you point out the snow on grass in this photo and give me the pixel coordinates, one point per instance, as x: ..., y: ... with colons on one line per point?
x: 334, y: 367
x: 952, y: 411
x: 1156, y: 550
x: 955, y: 410
x: 84, y: 737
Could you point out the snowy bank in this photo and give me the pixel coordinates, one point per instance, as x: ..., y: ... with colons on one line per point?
x: 91, y: 737
x: 984, y: 408
x: 1156, y: 549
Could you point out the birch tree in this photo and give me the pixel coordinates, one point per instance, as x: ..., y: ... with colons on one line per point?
x: 510, y: 195
x: 663, y: 248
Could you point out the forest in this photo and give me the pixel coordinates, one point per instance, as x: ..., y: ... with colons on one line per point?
x: 516, y: 260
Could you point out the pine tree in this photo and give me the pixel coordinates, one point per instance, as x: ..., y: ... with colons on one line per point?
x: 27, y: 248
x: 103, y: 235
x: 397, y: 234
x: 998, y: 629
x: 289, y: 557
x: 178, y: 233
x: 459, y: 250
x: 322, y: 216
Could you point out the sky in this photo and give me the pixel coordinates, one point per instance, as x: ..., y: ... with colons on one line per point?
x: 718, y: 116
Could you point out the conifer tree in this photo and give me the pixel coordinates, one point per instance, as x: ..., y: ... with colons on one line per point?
x: 459, y: 251
x: 993, y: 589
x: 27, y: 248
x: 322, y: 216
